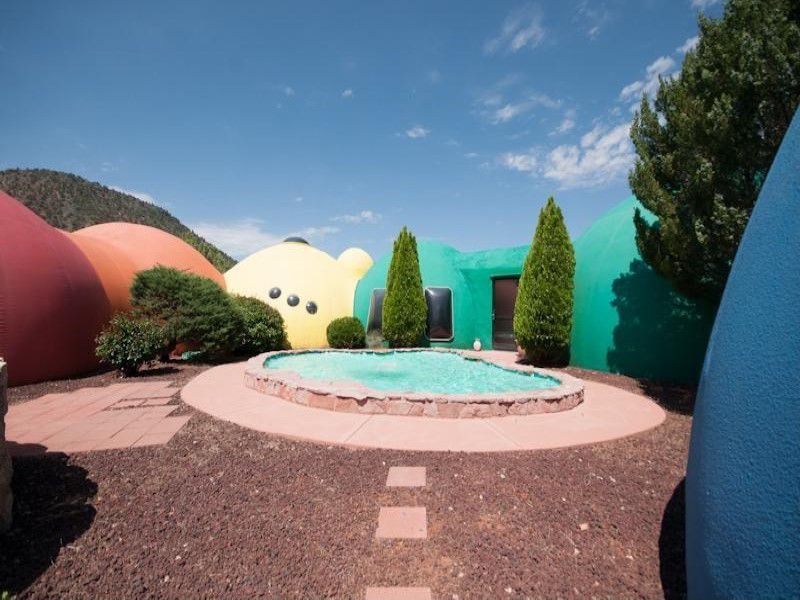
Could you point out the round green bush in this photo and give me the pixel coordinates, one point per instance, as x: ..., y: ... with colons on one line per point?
x: 346, y: 332
x: 262, y: 330
x: 192, y: 309
x: 128, y: 342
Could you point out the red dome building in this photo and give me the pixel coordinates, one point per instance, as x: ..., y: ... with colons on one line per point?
x: 52, y: 303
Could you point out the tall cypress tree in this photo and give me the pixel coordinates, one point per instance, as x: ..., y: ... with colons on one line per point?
x: 405, y: 311
x: 543, y: 312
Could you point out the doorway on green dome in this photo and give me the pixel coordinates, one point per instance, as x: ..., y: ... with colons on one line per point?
x: 504, y: 297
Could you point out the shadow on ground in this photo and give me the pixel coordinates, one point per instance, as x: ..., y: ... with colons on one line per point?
x: 51, y: 510
x: 672, y: 546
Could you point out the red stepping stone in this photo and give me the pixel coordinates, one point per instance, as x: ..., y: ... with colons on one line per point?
x: 406, y: 477
x: 402, y: 522
x: 398, y: 593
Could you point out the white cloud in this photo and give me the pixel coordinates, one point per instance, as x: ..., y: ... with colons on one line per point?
x: 567, y: 123
x: 602, y: 156
x: 507, y: 112
x: 521, y: 28
x: 417, y: 131
x: 510, y: 110
x: 140, y: 195
x: 688, y: 45
x: 701, y: 4
x: 243, y: 237
x: 471, y: 155
x: 663, y: 66
x: 434, y: 76
x: 288, y: 90
x: 348, y: 93
x: 365, y: 216
x: 592, y: 17
x: 525, y: 163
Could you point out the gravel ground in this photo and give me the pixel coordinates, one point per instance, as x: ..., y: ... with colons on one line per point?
x: 178, y: 372
x: 224, y: 512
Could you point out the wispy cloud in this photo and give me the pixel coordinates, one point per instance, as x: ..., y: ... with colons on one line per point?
x: 688, y: 45
x: 288, y: 90
x: 434, y: 76
x: 363, y: 217
x: 603, y: 155
x: 522, y: 28
x: 348, y: 93
x: 593, y: 17
x: 245, y: 236
x: 140, y: 195
x: 663, y: 66
x: 416, y: 132
x: 567, y: 123
x: 525, y: 163
x: 701, y: 4
x: 494, y: 108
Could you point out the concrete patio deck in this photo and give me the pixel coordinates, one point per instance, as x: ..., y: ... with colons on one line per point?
x: 607, y: 413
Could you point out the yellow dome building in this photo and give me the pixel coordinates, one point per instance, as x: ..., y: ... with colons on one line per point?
x: 307, y: 286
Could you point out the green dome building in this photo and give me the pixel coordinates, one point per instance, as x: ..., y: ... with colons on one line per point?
x: 627, y: 318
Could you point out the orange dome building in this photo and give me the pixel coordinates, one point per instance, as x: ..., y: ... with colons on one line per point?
x: 120, y: 250
x: 52, y: 303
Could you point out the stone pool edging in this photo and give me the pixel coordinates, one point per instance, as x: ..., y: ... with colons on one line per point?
x: 353, y: 397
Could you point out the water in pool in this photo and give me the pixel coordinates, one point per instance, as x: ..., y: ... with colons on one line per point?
x: 419, y: 371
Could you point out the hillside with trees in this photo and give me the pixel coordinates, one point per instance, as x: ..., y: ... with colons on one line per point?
x: 70, y: 202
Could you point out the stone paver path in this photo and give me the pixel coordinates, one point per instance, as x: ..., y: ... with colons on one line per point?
x: 402, y: 522
x: 122, y: 415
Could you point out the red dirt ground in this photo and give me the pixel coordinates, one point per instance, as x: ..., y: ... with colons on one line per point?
x: 224, y: 512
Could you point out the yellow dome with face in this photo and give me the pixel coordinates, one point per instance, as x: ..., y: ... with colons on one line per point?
x: 307, y: 286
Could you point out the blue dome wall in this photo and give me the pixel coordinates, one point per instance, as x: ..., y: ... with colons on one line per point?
x: 743, y: 476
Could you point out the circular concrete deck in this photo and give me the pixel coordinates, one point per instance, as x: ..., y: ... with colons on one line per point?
x: 606, y: 413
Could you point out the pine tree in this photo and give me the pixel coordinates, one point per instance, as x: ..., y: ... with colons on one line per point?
x: 543, y: 312
x: 706, y: 145
x: 405, y: 311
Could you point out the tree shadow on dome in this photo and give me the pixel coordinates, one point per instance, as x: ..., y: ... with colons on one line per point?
x: 660, y: 334
x: 51, y: 510
x: 672, y: 545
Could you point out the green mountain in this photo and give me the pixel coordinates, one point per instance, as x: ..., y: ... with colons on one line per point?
x: 70, y: 202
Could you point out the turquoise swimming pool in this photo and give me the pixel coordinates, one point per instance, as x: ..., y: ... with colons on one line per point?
x: 411, y: 371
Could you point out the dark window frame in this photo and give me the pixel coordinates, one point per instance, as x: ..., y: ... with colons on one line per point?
x: 372, y: 307
x: 452, y: 327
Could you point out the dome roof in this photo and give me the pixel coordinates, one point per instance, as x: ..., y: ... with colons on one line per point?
x: 627, y: 318
x: 52, y: 303
x: 120, y: 250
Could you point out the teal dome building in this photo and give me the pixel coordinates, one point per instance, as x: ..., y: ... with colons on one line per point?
x: 628, y: 319
x: 470, y: 294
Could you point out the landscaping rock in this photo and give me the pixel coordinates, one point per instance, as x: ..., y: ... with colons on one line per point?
x: 5, y: 461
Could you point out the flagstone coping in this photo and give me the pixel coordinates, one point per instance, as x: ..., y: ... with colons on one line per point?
x: 352, y: 396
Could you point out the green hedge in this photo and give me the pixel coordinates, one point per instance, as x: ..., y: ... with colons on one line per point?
x: 192, y: 309
x: 262, y: 330
x: 129, y: 342
x: 346, y: 332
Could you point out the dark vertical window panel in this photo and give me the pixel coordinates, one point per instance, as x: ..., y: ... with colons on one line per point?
x: 440, y: 314
x: 375, y: 321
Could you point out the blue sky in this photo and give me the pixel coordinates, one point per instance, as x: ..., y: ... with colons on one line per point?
x: 340, y: 121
